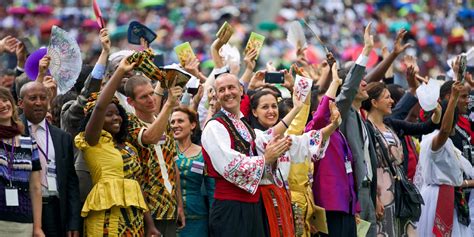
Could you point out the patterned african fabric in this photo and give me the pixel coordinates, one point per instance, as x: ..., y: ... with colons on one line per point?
x: 158, y: 170
x: 116, y: 221
x: 115, y: 205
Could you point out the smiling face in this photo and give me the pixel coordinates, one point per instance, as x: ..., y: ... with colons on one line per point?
x: 6, y: 111
x: 112, y: 120
x: 384, y: 103
x: 463, y: 100
x: 266, y: 111
x: 181, y: 125
x: 144, y: 100
x: 229, y: 92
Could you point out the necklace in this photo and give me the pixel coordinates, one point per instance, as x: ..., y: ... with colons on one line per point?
x: 182, y: 152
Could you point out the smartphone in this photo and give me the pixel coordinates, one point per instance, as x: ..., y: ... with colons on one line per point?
x: 159, y: 60
x: 274, y: 77
x: 193, y: 91
x: 462, y: 67
x: 441, y: 77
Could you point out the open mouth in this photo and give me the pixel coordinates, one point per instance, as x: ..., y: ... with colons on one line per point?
x: 5, y: 109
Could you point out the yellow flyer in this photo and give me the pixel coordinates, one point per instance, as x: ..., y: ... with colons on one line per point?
x: 255, y: 42
x: 184, y: 52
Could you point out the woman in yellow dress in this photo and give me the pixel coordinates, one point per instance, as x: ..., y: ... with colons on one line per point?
x: 115, y: 206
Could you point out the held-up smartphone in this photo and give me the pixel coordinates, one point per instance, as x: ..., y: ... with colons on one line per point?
x: 193, y: 91
x: 274, y: 77
x: 462, y: 67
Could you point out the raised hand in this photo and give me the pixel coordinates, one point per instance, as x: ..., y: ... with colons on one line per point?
x: 275, y: 148
x: 368, y: 40
x: 258, y: 80
x: 335, y: 118
x: 335, y: 76
x: 411, y: 78
x: 455, y: 65
x: 52, y: 87
x: 8, y: 44
x: 289, y: 81
x: 144, y: 43
x: 222, y: 39
x: 105, y: 39
x: 192, y: 66
x: 297, y: 102
x: 125, y: 66
x: 301, y: 57
x: 411, y: 61
x: 20, y: 51
x: 249, y: 59
x: 43, y: 68
x: 456, y: 89
x: 174, y: 94
x: 398, y: 47
x: 330, y: 59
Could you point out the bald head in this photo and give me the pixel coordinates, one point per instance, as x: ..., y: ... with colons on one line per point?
x: 34, y: 101
x: 229, y: 92
x: 32, y: 86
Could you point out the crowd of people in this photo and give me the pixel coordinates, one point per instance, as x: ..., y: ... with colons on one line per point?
x: 129, y: 151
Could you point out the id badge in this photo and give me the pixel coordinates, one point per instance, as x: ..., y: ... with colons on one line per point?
x: 197, y: 167
x: 348, y: 166
x: 52, y: 186
x: 11, y: 197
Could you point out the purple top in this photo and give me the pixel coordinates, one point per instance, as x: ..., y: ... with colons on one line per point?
x: 333, y: 187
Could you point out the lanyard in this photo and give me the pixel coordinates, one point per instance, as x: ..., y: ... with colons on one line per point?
x: 45, y: 154
x: 10, y: 159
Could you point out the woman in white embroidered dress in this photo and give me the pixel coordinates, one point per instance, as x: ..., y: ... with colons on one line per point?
x: 439, y: 170
x: 310, y: 145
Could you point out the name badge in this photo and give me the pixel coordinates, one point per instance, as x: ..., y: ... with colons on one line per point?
x: 197, y: 167
x: 348, y: 166
x: 11, y: 196
x: 52, y: 186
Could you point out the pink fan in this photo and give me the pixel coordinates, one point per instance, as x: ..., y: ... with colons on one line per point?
x: 98, y: 14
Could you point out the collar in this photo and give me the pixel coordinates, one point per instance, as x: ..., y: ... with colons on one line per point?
x: 41, y: 124
x: 231, y: 115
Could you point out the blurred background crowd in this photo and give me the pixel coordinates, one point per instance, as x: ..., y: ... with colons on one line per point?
x: 433, y: 25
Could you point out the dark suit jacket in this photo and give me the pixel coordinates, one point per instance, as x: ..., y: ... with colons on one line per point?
x: 352, y: 130
x: 68, y: 183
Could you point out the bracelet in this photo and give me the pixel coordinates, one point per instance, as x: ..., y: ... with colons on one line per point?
x: 286, y: 125
x: 158, y: 93
x: 467, y: 183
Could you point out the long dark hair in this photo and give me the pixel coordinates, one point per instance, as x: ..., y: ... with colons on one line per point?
x: 254, y: 101
x: 121, y: 136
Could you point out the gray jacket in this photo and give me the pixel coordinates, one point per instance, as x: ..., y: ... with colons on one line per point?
x: 352, y: 130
